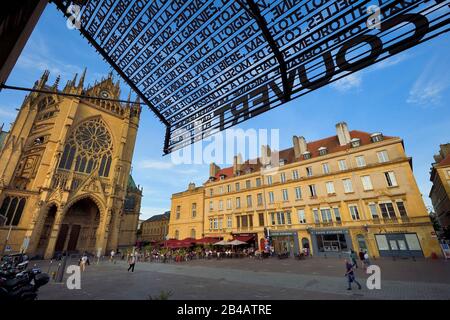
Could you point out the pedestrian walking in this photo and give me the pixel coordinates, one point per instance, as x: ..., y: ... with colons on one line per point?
x: 131, y: 262
x: 353, y: 257
x: 350, y: 274
x: 83, y: 262
x: 361, y: 255
x: 112, y: 256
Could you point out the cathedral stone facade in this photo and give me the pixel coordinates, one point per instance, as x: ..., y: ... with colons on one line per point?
x: 65, y: 181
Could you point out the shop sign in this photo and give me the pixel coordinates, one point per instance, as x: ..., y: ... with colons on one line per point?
x: 281, y: 233
x: 338, y: 231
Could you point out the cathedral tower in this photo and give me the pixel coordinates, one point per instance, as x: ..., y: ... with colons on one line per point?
x: 64, y: 170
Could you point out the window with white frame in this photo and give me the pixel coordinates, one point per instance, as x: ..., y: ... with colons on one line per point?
x: 298, y: 193
x: 309, y: 171
x: 288, y: 218
x: 220, y: 204
x: 220, y: 223
x: 325, y: 168
x: 360, y: 161
x: 326, y: 215
x: 229, y: 222
x: 387, y: 210
x: 258, y: 182
x: 354, y: 212
x: 382, y: 156
x: 401, y: 208
x: 194, y: 210
x: 330, y: 187
x: 272, y: 218
x: 301, y: 216
x: 280, y: 218
x: 295, y: 174
x: 271, y: 197
x: 390, y: 179
x: 249, y: 201
x: 211, y: 205
x: 216, y: 223
x: 312, y: 190
x: 177, y: 213
x: 367, y: 183
x: 269, y: 180
x: 342, y: 165
x: 229, y: 205
x: 220, y: 189
x: 248, y: 184
x: 373, y: 210
x: 238, y: 202
x: 229, y: 188
x: 316, y: 216
x: 237, y: 186
x: 285, y: 195
x: 283, y: 177
x: 348, y: 186
x: 259, y: 198
x: 337, y: 214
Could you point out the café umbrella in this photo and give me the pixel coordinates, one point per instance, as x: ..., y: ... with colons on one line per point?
x: 236, y: 242
x: 222, y: 243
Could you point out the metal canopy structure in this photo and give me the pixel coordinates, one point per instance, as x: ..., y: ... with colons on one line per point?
x: 205, y: 65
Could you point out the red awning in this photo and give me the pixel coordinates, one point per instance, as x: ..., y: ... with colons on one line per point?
x: 174, y: 243
x: 244, y: 238
x: 208, y: 240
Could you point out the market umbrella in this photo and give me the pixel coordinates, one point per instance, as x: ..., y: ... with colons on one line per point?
x: 236, y: 242
x: 222, y: 243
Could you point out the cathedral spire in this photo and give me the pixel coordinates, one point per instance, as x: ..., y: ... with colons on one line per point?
x: 74, y: 79
x: 83, y: 76
x: 41, y: 82
x: 55, y: 85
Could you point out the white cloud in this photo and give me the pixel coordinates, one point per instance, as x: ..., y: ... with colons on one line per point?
x: 147, y: 212
x: 427, y: 90
x: 155, y: 164
x: 389, y: 62
x: 351, y: 81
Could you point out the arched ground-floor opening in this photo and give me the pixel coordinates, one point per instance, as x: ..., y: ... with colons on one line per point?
x: 78, y: 230
x: 46, y: 230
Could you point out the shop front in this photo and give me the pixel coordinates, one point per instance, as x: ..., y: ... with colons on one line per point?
x: 285, y: 242
x: 398, y: 245
x: 332, y: 242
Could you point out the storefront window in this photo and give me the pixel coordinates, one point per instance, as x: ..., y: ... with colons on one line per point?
x: 382, y: 242
x: 413, y: 242
x: 331, y: 242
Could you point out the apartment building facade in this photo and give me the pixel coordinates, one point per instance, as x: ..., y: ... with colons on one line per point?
x: 354, y: 190
x: 440, y: 191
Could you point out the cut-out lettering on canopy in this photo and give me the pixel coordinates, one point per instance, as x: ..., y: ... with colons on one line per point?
x: 205, y: 65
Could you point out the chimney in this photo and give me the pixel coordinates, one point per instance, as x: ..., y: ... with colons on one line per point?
x: 265, y: 155
x: 237, y: 163
x: 191, y: 186
x: 343, y: 133
x: 213, y: 169
x: 299, y: 146
x: 445, y: 150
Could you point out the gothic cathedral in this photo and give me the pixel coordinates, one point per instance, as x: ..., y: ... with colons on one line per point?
x: 65, y: 183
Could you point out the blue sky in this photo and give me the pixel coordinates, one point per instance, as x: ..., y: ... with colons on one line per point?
x: 406, y: 96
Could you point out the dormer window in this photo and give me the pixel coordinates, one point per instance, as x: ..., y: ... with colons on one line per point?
x: 356, y: 142
x: 306, y: 155
x: 211, y: 179
x: 222, y: 177
x: 376, y: 137
x: 323, y: 151
x: 248, y: 170
x: 282, y: 162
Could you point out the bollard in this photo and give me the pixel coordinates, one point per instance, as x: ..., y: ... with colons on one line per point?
x: 50, y: 266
